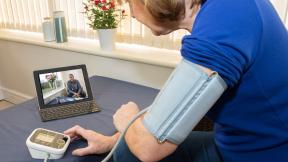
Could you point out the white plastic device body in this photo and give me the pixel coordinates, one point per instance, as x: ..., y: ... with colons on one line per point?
x: 39, y: 150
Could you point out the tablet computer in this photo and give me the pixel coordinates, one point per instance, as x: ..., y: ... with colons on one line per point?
x: 64, y: 92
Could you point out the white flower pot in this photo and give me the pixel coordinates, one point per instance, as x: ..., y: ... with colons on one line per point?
x: 107, y: 39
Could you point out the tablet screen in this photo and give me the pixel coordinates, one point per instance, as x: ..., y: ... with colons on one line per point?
x: 63, y: 85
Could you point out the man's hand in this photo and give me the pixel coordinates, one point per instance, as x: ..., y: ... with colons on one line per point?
x: 124, y: 114
x: 97, y: 143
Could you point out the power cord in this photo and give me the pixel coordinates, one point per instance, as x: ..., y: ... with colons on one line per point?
x: 47, y: 157
x: 123, y: 134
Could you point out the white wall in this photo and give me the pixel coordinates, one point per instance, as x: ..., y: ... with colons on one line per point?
x: 281, y: 7
x: 18, y: 61
x: 1, y: 93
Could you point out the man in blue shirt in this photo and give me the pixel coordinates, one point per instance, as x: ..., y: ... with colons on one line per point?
x: 74, y: 88
x: 247, y: 44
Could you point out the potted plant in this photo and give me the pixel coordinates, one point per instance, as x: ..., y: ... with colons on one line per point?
x: 51, y: 78
x: 104, y: 16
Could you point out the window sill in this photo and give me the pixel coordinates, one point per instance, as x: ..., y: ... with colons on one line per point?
x: 129, y: 52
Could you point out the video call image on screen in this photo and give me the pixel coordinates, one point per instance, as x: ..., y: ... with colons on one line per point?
x: 64, y: 86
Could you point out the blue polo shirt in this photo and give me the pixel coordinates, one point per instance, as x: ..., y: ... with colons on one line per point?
x: 247, y: 44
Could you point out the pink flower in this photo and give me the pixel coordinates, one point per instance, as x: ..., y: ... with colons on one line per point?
x: 48, y: 77
x: 97, y: 2
x: 104, y: 8
x: 112, y: 4
x: 96, y: 13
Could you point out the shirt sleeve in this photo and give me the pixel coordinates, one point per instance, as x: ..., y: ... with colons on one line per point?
x: 224, y: 38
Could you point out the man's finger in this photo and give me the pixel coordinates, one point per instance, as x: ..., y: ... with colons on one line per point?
x: 72, y: 131
x: 82, y: 151
x: 82, y: 132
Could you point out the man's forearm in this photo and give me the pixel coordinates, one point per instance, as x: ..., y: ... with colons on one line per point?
x: 70, y: 91
x: 143, y: 144
x: 113, y: 140
x: 79, y: 90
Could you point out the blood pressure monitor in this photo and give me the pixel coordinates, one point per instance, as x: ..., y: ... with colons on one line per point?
x: 43, y: 143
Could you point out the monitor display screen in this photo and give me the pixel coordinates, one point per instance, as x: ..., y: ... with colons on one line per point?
x: 45, y: 137
x: 63, y: 86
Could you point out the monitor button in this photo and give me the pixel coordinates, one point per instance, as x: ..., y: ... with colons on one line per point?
x: 61, y: 141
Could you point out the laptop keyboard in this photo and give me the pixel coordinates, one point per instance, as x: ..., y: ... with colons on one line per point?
x: 70, y: 110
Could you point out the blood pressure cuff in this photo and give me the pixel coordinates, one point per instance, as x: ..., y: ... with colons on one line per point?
x: 185, y: 98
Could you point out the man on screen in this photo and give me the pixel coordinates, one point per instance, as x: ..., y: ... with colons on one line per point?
x: 74, y: 89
